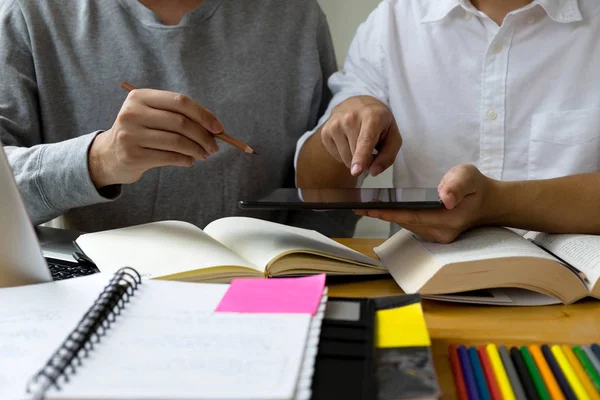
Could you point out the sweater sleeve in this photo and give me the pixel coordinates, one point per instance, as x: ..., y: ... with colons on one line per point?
x: 52, y: 177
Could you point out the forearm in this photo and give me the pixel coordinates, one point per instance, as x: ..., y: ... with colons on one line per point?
x: 54, y: 178
x: 316, y: 168
x: 562, y: 205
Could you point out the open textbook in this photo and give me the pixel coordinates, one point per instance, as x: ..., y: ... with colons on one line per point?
x: 227, y: 248
x: 536, y: 269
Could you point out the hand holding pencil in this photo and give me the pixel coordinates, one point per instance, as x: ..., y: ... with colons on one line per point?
x: 154, y: 128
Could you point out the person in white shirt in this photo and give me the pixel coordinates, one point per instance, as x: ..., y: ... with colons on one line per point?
x: 507, y: 90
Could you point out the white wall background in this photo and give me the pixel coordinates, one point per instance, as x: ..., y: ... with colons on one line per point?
x: 344, y: 17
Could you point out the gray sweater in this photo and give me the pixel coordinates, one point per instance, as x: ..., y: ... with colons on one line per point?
x: 260, y: 65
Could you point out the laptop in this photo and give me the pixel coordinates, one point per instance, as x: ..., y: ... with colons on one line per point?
x: 21, y: 258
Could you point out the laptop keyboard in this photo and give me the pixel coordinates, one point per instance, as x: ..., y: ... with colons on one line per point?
x: 62, y: 271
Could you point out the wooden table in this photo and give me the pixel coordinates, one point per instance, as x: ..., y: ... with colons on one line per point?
x: 476, y: 325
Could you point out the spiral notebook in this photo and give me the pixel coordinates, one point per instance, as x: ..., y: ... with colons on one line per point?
x: 103, y: 337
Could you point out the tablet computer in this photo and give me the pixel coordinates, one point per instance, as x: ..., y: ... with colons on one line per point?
x: 336, y: 199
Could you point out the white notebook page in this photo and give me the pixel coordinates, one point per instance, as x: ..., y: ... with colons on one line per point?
x: 158, y: 249
x: 164, y: 346
x: 260, y: 241
x: 34, y: 321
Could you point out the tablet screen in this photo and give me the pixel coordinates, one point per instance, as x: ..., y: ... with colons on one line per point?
x: 382, y: 198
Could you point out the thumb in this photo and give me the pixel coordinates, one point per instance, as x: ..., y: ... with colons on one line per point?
x: 458, y: 183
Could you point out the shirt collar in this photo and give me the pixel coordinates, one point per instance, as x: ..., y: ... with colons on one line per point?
x: 564, y: 11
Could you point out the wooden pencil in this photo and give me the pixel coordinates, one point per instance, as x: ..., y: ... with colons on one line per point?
x: 223, y: 136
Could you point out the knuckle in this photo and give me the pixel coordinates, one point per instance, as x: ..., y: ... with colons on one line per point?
x: 181, y: 99
x: 180, y: 122
x: 127, y: 114
x: 125, y: 137
x: 334, y: 126
x: 177, y: 141
x: 349, y: 119
x: 134, y: 95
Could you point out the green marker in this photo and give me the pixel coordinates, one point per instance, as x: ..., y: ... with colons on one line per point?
x: 535, y: 374
x: 587, y: 365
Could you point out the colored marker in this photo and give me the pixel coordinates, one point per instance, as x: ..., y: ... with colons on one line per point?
x: 558, y: 373
x: 524, y: 376
x: 468, y: 373
x: 535, y: 374
x: 587, y: 365
x: 500, y: 372
x: 513, y: 377
x: 544, y: 368
x: 459, y: 380
x: 580, y: 373
x: 593, y: 359
x: 482, y: 388
x: 596, y: 350
x: 488, y: 371
x: 569, y: 373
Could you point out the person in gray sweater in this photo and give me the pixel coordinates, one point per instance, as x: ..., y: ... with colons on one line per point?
x: 81, y: 147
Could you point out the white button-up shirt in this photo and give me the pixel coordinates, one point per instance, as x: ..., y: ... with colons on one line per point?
x: 520, y: 101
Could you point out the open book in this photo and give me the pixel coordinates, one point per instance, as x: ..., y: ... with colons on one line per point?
x: 228, y: 248
x: 564, y: 267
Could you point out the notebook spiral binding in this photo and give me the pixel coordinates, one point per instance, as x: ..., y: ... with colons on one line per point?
x: 89, y: 331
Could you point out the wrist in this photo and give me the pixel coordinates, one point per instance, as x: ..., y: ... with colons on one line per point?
x: 498, y: 203
x: 96, y: 163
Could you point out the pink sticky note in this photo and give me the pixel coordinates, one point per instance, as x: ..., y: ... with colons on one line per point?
x: 276, y: 295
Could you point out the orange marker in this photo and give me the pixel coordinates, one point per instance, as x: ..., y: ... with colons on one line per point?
x: 581, y: 374
x: 547, y: 375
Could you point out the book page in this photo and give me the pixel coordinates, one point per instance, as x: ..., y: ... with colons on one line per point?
x: 261, y: 241
x: 580, y: 251
x: 158, y: 249
x: 167, y: 345
x: 34, y: 321
x: 483, y: 244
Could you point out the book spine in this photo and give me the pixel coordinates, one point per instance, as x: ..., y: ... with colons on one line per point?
x: 89, y: 331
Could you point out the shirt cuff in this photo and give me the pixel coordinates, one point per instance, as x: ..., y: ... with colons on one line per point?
x: 64, y: 178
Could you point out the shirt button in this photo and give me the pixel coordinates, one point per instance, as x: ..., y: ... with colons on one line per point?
x: 497, y: 48
x: 467, y: 15
x: 492, y: 115
x: 531, y: 20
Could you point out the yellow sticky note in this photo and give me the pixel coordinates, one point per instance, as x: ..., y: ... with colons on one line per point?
x: 401, y: 327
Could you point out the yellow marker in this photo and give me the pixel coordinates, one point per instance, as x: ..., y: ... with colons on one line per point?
x: 581, y: 374
x: 401, y: 327
x: 576, y: 385
x: 500, y: 372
